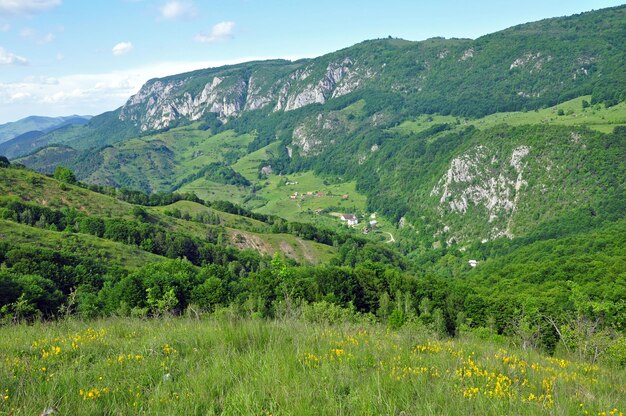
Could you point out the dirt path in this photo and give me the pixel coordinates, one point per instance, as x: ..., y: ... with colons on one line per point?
x: 391, y: 239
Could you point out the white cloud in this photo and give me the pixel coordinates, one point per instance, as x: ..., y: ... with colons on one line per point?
x: 8, y: 58
x: 89, y: 93
x: 178, y: 9
x: 5, y: 27
x: 16, y: 7
x: 27, y: 32
x: 42, y: 80
x: 31, y: 34
x: 220, y: 31
x: 122, y: 48
x: 19, y: 96
x: 47, y: 38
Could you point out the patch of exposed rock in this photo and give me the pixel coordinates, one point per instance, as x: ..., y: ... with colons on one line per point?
x: 477, y: 179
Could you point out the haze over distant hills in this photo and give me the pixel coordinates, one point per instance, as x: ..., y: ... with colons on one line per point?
x: 43, y: 124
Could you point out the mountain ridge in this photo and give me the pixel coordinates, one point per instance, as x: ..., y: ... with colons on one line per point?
x: 394, y: 116
x: 329, y: 76
x: 525, y: 67
x: 45, y: 124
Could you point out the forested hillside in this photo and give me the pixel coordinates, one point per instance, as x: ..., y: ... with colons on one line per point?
x: 430, y: 132
x: 559, y: 277
x: 397, y: 227
x: 462, y: 185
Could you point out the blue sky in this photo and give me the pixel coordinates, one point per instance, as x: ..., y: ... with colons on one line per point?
x: 61, y: 57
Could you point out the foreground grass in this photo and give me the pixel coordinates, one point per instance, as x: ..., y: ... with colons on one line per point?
x: 253, y: 367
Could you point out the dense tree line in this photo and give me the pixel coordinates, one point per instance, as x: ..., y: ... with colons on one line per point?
x: 544, y: 293
x: 141, y: 198
x: 141, y: 233
x: 534, y: 302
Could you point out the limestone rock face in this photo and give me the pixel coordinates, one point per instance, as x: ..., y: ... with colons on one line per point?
x: 160, y: 103
x: 227, y: 93
x: 340, y: 78
x: 478, y: 180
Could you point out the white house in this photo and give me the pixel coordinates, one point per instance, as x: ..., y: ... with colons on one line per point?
x: 350, y: 218
x: 473, y: 263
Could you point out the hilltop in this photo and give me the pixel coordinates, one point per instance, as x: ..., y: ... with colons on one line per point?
x: 186, y: 217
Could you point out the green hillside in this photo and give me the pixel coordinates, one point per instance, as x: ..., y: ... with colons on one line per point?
x: 446, y: 141
x: 185, y: 217
x: 527, y: 67
x: 432, y: 227
x: 394, y: 171
x: 100, y: 250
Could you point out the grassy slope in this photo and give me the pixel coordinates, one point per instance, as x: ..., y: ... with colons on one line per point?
x: 277, y: 201
x: 252, y: 367
x: 596, y: 117
x: 291, y: 246
x: 246, y: 233
x: 31, y: 186
x: 104, y: 250
x: 248, y: 166
x: 145, y: 162
x: 212, y: 191
x: 226, y: 219
x: 160, y: 161
x: 272, y: 198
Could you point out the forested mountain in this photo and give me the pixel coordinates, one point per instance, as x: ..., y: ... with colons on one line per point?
x: 32, y: 124
x: 430, y: 132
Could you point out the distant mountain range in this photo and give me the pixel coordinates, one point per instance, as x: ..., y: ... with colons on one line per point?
x: 17, y: 137
x: 14, y: 129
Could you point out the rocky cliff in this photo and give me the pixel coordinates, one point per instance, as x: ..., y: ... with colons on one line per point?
x: 276, y: 85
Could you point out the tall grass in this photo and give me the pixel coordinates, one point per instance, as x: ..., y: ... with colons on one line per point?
x: 181, y: 366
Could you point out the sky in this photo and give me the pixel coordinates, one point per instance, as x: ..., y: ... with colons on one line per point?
x: 63, y: 57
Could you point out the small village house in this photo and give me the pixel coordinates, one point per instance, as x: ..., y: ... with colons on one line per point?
x: 351, y: 219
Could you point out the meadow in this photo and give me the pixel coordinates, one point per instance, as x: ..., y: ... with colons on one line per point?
x: 569, y: 113
x: 224, y: 364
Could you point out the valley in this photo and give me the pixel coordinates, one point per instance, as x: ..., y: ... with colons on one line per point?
x: 414, y: 227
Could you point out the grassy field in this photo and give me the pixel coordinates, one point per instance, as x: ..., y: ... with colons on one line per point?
x: 242, y: 232
x: 224, y: 365
x: 31, y: 186
x: 421, y: 123
x: 226, y: 219
x: 595, y: 117
x: 248, y: 166
x: 212, y: 191
x: 97, y: 248
x: 312, y: 194
x: 274, y: 194
x: 573, y: 114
